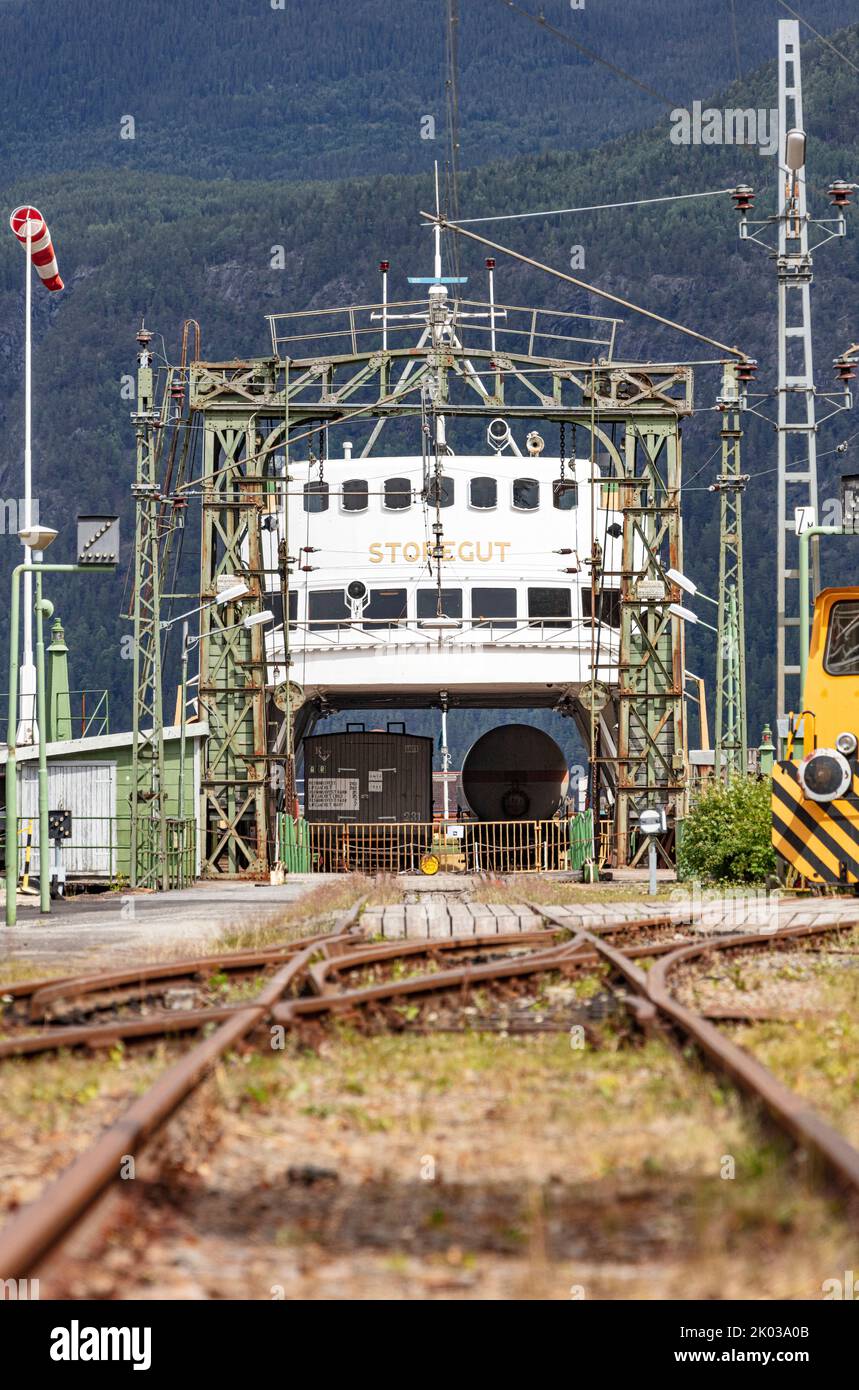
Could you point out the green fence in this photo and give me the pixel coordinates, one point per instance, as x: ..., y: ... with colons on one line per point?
x: 99, y: 848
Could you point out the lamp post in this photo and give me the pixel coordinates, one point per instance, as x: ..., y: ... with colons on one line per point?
x: 37, y: 568
x: 97, y: 549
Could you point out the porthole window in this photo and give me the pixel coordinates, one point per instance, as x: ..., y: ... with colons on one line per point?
x: 444, y: 488
x: 526, y: 494
x: 483, y: 494
x: 355, y: 495
x: 565, y: 494
x: 316, y: 497
x: 398, y: 494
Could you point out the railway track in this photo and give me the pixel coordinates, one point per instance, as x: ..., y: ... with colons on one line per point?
x: 339, y: 973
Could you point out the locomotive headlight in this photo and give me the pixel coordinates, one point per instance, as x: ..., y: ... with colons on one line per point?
x: 846, y: 744
x: 825, y: 775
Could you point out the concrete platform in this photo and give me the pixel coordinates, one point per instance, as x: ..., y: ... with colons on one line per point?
x: 127, y: 926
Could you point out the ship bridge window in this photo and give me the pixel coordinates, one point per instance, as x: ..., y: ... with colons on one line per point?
x: 385, y: 608
x: 608, y: 605
x: 444, y: 488
x: 526, y: 494
x: 428, y: 599
x: 483, y: 493
x: 293, y: 608
x: 550, y: 607
x: 842, y: 640
x: 355, y: 495
x: 316, y: 497
x: 565, y: 494
x: 495, y: 607
x: 326, y: 608
x: 398, y: 494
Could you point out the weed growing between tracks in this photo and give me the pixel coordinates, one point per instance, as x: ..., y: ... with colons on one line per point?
x: 482, y: 1166
x: 319, y: 906
x: 55, y: 1106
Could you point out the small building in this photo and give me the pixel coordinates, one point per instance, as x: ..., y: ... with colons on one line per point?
x: 92, y: 778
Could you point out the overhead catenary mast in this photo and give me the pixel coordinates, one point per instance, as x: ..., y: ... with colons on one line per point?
x: 796, y: 413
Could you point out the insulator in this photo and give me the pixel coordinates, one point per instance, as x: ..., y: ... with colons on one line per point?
x: 840, y: 193
x: 743, y: 196
x: 307, y: 568
x: 845, y: 368
x: 746, y: 370
x: 565, y: 550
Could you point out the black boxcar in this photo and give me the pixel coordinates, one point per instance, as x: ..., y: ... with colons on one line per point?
x: 368, y: 777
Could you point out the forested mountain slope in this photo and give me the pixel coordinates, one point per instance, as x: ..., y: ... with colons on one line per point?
x: 171, y: 246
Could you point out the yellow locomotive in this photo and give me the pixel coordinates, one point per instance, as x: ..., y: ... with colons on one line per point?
x: 815, y: 803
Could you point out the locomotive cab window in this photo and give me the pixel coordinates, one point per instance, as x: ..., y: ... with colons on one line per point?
x: 398, y: 494
x: 316, y: 497
x: 326, y: 608
x: 526, y: 494
x: 550, y: 607
x: 355, y: 495
x: 427, y: 603
x: 483, y: 494
x: 386, y: 606
x: 841, y: 657
x: 493, y: 607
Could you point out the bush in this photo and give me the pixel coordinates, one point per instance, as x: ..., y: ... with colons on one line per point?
x: 726, y: 836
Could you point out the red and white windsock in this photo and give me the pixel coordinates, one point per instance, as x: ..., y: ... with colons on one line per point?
x: 28, y: 220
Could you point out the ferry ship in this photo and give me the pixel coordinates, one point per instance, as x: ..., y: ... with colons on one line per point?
x: 475, y: 578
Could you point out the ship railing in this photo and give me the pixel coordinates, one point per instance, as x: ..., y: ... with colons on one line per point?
x: 450, y: 846
x: 498, y: 632
x: 362, y: 328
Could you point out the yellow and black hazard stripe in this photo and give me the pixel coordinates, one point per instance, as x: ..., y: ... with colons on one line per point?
x: 820, y: 839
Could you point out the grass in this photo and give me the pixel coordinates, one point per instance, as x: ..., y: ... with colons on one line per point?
x: 539, y: 889
x: 621, y: 1152
x: 317, y: 909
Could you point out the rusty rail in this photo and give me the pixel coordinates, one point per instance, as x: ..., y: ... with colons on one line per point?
x: 38, y: 1227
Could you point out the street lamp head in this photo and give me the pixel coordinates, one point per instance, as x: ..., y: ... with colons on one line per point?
x: 37, y: 537
x: 794, y: 150
x: 231, y: 595
x: 256, y: 619
x: 684, y: 614
x: 681, y: 581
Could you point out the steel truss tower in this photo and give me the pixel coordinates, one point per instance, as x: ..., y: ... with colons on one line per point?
x: 148, y: 821
x: 797, y: 439
x: 731, y: 749
x: 651, y: 769
x: 232, y: 657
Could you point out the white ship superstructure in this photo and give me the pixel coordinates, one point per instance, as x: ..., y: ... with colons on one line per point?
x: 472, y: 574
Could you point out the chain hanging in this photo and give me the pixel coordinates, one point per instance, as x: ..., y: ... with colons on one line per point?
x: 563, y: 447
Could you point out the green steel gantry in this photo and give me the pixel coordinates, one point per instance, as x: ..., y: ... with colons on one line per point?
x: 256, y: 409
